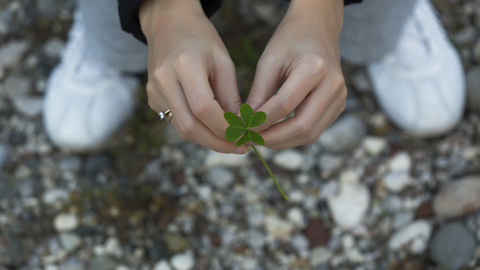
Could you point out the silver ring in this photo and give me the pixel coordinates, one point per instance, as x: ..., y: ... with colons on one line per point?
x: 167, y: 115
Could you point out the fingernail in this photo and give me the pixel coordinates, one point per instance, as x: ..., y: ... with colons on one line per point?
x: 239, y: 150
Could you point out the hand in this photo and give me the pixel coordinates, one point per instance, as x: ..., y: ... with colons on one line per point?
x: 304, y: 53
x: 186, y: 57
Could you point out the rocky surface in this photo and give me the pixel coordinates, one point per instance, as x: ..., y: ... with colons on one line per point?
x: 364, y: 196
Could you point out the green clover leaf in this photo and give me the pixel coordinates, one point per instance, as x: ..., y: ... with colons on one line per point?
x: 238, y: 128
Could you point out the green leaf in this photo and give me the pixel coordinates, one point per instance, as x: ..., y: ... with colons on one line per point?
x: 232, y: 133
x: 233, y: 119
x: 258, y: 119
x: 255, y: 137
x: 244, y: 139
x: 247, y: 113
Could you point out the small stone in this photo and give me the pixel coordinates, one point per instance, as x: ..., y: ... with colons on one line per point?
x: 295, y: 216
x: 65, y: 222
x: 374, y: 145
x: 162, y: 265
x: 290, y: 160
x: 183, y: 261
x: 101, y: 263
x: 402, y: 218
x: 343, y: 134
x: 72, y: 263
x: 397, y: 181
x: 414, y: 237
x: 473, y: 89
x: 71, y: 163
x: 54, y: 47
x: 215, y: 239
x: 70, y: 241
x: 54, y: 196
x: 401, y: 162
x: 122, y: 267
x: 255, y: 239
x: 113, y: 247
x: 361, y: 82
x: 349, y: 206
x: 12, y: 52
x: 329, y: 189
x: 158, y: 251
x: 424, y: 210
x: 4, y: 153
x: 452, y: 246
x: 458, y: 198
x: 176, y: 243
x: 220, y: 177
x: 300, y: 244
x: 278, y: 228
x: 29, y: 106
x: 329, y: 163
x: 96, y: 163
x: 320, y: 255
x: 317, y: 233
x: 230, y: 160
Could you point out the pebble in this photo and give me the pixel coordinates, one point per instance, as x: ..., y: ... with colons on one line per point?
x: 374, y: 145
x: 220, y: 177
x: 70, y: 163
x: 361, y: 82
x: 300, y: 244
x: 70, y: 241
x: 255, y: 239
x: 473, y: 89
x: 458, y: 198
x: 413, y: 236
x: 55, y: 196
x: 113, y: 247
x: 400, y: 162
x: 72, y: 263
x: 402, y: 218
x: 183, y: 261
x: 295, y: 216
x: 101, y: 263
x: 329, y: 189
x: 349, y: 206
x: 12, y: 52
x: 29, y: 106
x: 320, y: 255
x: 158, y: 250
x: 290, y: 160
x: 162, y: 265
x: 329, y: 163
x: 96, y: 163
x: 343, y: 134
x: 54, y: 47
x: 278, y: 228
x: 4, y: 153
x: 65, y: 222
x: 452, y: 246
x: 397, y: 181
x: 176, y: 243
x: 317, y: 233
x: 230, y: 160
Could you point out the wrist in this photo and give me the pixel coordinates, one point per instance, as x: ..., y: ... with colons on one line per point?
x: 325, y: 12
x: 155, y: 13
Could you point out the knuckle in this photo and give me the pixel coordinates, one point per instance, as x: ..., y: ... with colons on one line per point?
x: 313, y: 62
x: 183, y: 60
x: 160, y: 76
x: 266, y: 61
x: 313, y: 137
x: 200, y: 107
x: 305, y: 128
x: 226, y: 62
x: 187, y: 129
x: 286, y: 106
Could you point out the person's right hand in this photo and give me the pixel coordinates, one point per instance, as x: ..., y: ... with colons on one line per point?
x: 190, y: 72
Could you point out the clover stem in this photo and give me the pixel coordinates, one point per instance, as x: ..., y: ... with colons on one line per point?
x: 271, y: 174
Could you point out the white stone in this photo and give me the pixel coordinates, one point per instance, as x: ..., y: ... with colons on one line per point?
x: 349, y: 206
x: 183, y: 261
x: 220, y: 177
x: 65, y: 222
x: 289, y: 159
x: 70, y: 241
x: 113, y: 247
x: 124, y: 267
x: 320, y: 255
x: 162, y: 265
x: 231, y: 160
x: 296, y: 196
x: 350, y: 177
x: 11, y: 53
x: 54, y: 47
x: 295, y: 216
x: 300, y: 244
x: 54, y: 196
x: 401, y: 162
x: 329, y: 189
x: 329, y: 162
x: 348, y: 242
x: 51, y: 267
x: 414, y: 237
x: 278, y: 228
x: 374, y: 145
x: 343, y: 134
x: 397, y: 181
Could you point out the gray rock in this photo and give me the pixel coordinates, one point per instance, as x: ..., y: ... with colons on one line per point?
x: 158, y: 251
x: 458, y: 198
x: 54, y: 196
x: 17, y: 88
x: 12, y: 52
x: 70, y: 241
x: 72, y: 263
x: 101, y: 263
x: 289, y: 159
x: 65, y: 222
x: 220, y: 177
x: 71, y: 163
x: 361, y: 82
x: 96, y: 163
x: 4, y: 152
x: 473, y: 89
x: 344, y: 134
x: 183, y: 261
x: 414, y: 237
x: 452, y: 246
x: 54, y: 47
x: 255, y: 239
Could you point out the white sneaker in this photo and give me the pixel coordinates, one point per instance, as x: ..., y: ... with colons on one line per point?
x: 421, y: 85
x: 85, y: 101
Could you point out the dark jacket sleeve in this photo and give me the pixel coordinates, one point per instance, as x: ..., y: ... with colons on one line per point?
x: 128, y: 11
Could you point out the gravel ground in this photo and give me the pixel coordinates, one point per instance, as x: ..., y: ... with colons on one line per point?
x: 364, y: 196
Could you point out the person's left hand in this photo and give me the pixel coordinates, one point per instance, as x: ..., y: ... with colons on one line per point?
x: 304, y: 53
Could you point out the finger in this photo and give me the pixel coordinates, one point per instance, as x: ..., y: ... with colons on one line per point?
x: 302, y: 79
x: 189, y: 127
x: 200, y: 99
x: 320, y: 108
x: 267, y: 78
x: 224, y: 85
